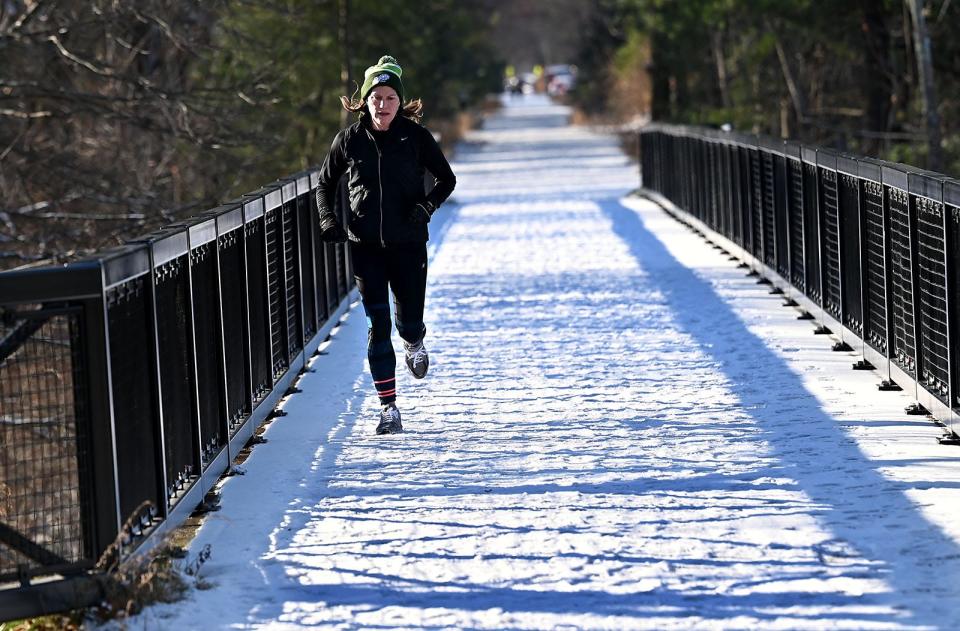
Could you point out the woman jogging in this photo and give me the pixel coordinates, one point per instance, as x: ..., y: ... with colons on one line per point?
x: 385, y: 154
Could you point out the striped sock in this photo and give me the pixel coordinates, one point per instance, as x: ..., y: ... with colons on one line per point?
x: 387, y: 390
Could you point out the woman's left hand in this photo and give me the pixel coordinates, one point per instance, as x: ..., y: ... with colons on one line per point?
x: 422, y: 213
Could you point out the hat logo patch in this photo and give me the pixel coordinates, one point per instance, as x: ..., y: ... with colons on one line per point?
x: 381, y: 78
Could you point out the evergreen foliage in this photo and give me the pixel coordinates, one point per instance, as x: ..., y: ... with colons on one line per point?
x: 843, y: 74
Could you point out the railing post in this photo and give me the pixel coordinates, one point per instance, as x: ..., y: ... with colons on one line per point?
x: 319, y: 254
x: 903, y: 354
x: 850, y: 244
x: 930, y: 287
x: 102, y: 459
x: 873, y: 266
x: 831, y: 278
x: 207, y: 337
x: 795, y: 210
x: 167, y: 250
x: 155, y: 367
x: 273, y: 277
x: 234, y: 313
x: 258, y: 299
x: 951, y: 198
x: 811, y: 226
x: 305, y: 260
x: 137, y: 427
x: 290, y: 264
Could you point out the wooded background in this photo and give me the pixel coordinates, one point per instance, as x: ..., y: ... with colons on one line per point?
x: 877, y: 77
x: 116, y: 117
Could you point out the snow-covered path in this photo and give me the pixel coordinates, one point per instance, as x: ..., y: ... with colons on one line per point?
x: 619, y: 430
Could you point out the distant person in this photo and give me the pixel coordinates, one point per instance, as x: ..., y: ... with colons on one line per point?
x: 385, y: 154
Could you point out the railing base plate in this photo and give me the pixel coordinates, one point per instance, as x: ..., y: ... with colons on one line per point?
x: 915, y: 409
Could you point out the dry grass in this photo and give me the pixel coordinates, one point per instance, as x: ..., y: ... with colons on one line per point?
x: 129, y: 587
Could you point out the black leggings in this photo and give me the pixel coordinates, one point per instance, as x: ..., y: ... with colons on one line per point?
x: 403, y: 269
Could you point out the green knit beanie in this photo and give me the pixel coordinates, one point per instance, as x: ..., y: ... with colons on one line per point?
x: 386, y: 72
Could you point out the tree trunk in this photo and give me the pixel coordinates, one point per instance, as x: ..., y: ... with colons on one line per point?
x: 721, y: 63
x: 876, y: 85
x: 921, y: 44
x: 797, y: 97
x: 343, y: 32
x: 660, y: 78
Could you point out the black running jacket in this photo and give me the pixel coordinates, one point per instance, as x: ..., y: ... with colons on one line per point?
x: 385, y: 180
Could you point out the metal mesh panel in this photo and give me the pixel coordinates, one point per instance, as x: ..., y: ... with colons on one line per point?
x: 45, y: 457
x: 795, y: 211
x: 258, y: 310
x: 176, y: 373
x: 746, y: 219
x: 756, y: 203
x: 830, y: 242
x: 334, y: 265
x: 849, y: 213
x: 275, y: 294
x: 736, y: 197
x: 236, y: 352
x: 655, y: 166
x: 343, y: 260
x: 723, y: 190
x: 697, y: 181
x: 682, y: 155
x: 934, y: 370
x: 291, y: 263
x: 769, y: 211
x: 811, y: 229
x: 781, y: 225
x: 208, y: 337
x: 874, y: 271
x: 321, y: 276
x: 675, y: 154
x: 729, y: 191
x: 687, y: 158
x: 713, y: 198
x: 695, y: 158
x: 308, y: 299
x: 733, y: 184
x: 134, y: 406
x: 953, y: 296
x: 904, y: 347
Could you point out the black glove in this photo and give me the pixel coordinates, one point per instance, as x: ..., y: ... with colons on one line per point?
x: 334, y: 234
x: 422, y: 212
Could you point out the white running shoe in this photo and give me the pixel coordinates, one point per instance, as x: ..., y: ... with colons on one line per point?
x: 417, y: 359
x: 389, y: 420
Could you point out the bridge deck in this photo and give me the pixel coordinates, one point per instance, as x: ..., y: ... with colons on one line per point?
x: 619, y: 429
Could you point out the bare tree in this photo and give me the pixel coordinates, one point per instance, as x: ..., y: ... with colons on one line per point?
x: 101, y: 123
x: 924, y: 58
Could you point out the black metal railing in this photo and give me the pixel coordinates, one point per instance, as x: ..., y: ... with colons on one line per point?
x: 872, y: 247
x: 130, y: 380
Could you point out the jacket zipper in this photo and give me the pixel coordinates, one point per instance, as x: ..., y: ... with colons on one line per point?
x: 379, y: 184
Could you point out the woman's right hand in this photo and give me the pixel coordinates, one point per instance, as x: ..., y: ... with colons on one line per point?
x: 334, y: 234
